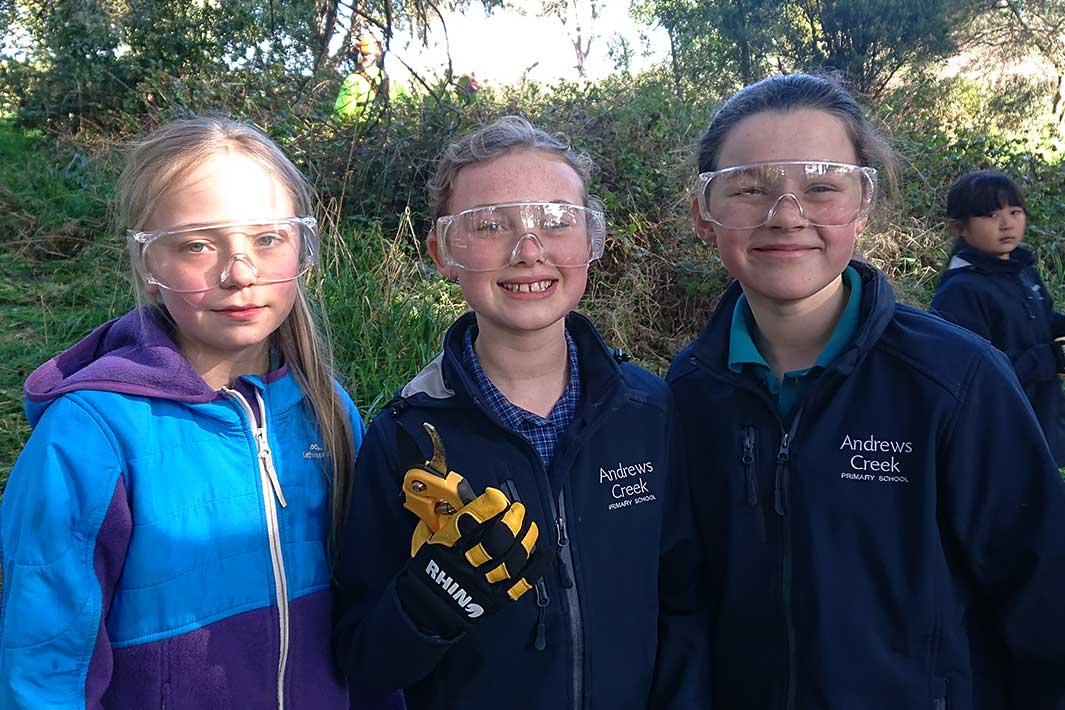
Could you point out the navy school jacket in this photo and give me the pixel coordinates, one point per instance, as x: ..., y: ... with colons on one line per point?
x: 900, y: 543
x: 613, y: 510
x: 1005, y: 301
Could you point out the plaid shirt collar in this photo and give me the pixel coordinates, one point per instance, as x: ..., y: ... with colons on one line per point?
x: 541, y: 433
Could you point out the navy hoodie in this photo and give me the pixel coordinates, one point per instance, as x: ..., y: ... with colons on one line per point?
x: 1005, y: 301
x: 898, y: 543
x: 614, y: 624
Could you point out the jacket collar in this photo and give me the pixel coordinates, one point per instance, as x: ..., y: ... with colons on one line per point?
x: 445, y: 379
x: 967, y: 258
x: 877, y: 308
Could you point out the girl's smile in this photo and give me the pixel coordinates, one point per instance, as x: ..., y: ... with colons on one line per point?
x: 529, y: 287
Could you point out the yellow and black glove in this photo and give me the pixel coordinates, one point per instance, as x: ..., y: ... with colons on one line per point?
x: 484, y: 557
x: 1059, y: 353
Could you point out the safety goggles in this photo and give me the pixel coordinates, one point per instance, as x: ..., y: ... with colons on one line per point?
x: 199, y: 257
x: 827, y: 194
x: 492, y: 237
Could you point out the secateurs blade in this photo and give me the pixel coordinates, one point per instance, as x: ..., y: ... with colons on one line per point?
x: 431, y: 490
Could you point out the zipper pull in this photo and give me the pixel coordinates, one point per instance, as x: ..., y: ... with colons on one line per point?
x: 779, y: 494
x: 748, y: 462
x: 542, y: 600
x: 268, y: 464
x: 565, y: 578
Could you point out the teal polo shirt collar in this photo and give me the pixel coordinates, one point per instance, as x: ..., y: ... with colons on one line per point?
x: 742, y: 350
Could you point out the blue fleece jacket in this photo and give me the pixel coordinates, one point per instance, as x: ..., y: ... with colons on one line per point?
x: 899, y: 542
x: 613, y: 625
x: 1005, y: 301
x: 159, y: 547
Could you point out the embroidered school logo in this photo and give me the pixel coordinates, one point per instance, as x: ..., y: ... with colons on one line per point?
x: 314, y: 451
x: 453, y: 590
x: 629, y: 484
x: 876, y: 460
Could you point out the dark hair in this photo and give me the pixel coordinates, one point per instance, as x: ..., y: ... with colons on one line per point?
x: 981, y: 192
x: 793, y: 92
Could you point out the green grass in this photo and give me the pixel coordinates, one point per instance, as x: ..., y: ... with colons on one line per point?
x: 46, y: 306
x: 51, y: 202
x: 387, y: 311
x: 60, y: 273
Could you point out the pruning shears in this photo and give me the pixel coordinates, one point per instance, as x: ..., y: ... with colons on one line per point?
x: 431, y: 490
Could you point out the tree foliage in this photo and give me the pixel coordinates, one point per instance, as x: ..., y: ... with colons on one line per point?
x: 868, y: 41
x: 65, y: 63
x: 715, y: 45
x: 1012, y: 30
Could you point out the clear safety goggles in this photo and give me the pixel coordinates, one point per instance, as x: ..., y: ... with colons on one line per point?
x: 827, y: 194
x: 494, y: 236
x: 199, y: 257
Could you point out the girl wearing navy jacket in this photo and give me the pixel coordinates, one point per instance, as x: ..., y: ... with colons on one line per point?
x: 568, y: 448
x: 991, y: 286
x: 883, y: 521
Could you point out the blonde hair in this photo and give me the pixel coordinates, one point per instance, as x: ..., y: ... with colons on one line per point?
x: 500, y: 136
x: 157, y: 164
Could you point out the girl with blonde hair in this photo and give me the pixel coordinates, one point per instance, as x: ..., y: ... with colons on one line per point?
x: 166, y: 530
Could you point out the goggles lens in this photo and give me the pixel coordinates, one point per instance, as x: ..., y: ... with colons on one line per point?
x: 200, y: 257
x: 747, y: 196
x: 492, y: 237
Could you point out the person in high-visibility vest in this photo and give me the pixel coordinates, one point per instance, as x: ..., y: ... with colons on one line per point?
x: 367, y: 86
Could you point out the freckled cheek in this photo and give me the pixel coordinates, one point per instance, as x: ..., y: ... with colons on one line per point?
x: 473, y: 284
x: 575, y: 277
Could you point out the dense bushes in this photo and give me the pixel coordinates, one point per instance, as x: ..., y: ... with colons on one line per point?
x: 650, y: 293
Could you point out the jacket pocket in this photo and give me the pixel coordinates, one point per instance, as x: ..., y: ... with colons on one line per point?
x: 510, y: 490
x: 939, y: 694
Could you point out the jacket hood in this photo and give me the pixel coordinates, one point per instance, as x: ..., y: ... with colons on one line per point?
x: 878, y: 307
x: 966, y: 258
x: 133, y: 354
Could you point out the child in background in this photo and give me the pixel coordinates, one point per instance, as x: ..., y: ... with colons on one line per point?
x: 991, y: 286
x: 883, y: 521
x: 166, y: 529
x: 567, y: 448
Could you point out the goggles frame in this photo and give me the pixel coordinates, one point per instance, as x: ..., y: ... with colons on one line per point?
x: 868, y: 174
x: 308, y: 247
x: 595, y: 226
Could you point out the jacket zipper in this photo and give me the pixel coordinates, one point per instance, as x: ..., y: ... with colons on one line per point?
x: 781, y: 503
x: 940, y: 693
x: 748, y: 464
x: 542, y: 597
x: 269, y: 481
x: 569, y: 588
x: 542, y: 600
x: 565, y: 564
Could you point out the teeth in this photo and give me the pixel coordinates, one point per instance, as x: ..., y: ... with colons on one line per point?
x: 535, y: 287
